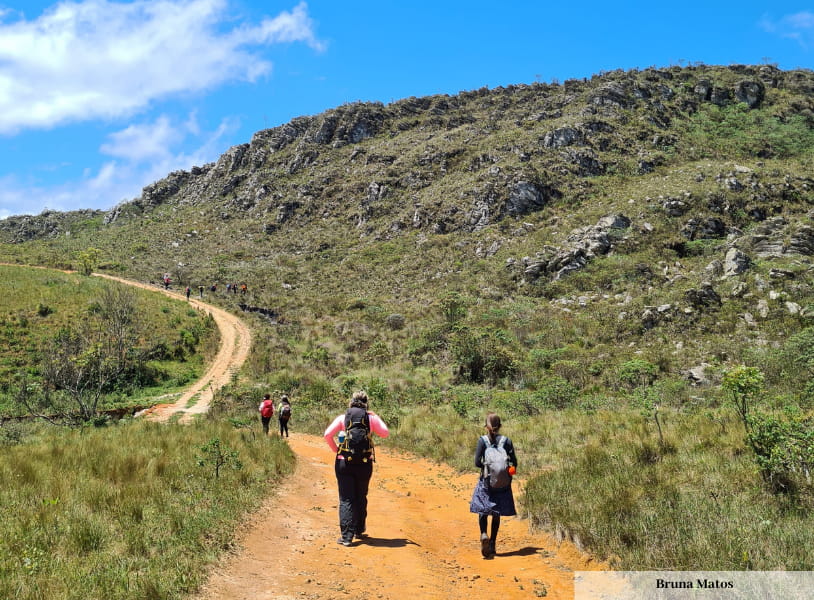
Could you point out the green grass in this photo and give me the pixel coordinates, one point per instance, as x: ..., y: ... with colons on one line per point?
x: 339, y: 266
x: 602, y: 480
x: 125, y: 512
x: 38, y: 303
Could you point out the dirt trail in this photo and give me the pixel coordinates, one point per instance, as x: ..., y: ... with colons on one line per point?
x: 235, y: 343
x: 423, y: 541
x: 423, y: 545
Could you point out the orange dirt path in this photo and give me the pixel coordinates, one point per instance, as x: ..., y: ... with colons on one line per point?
x: 235, y: 343
x: 423, y: 541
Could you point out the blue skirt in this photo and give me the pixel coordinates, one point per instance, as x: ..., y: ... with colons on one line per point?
x: 486, y: 501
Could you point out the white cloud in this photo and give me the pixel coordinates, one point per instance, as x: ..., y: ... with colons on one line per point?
x: 103, y: 59
x: 141, y: 154
x: 798, y: 26
x: 143, y: 142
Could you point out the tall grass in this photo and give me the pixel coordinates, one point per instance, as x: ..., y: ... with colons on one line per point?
x: 125, y: 512
x: 603, y: 480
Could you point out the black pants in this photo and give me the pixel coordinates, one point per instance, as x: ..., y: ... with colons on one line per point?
x: 353, y: 480
x: 283, y: 427
x: 265, y: 421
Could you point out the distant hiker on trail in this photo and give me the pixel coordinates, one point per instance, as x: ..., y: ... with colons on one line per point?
x: 284, y: 414
x: 266, y: 409
x: 354, y: 463
x: 167, y: 281
x: 243, y: 289
x: 187, y: 292
x: 214, y: 287
x: 234, y: 288
x: 200, y: 290
x: 496, y: 459
x: 228, y: 287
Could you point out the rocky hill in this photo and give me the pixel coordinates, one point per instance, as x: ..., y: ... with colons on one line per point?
x: 661, y: 214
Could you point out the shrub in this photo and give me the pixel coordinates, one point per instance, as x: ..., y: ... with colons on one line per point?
x: 637, y: 372
x: 395, y: 321
x: 44, y: 310
x: 556, y: 392
x: 784, y: 450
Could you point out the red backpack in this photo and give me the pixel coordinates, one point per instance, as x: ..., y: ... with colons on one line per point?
x: 267, y: 408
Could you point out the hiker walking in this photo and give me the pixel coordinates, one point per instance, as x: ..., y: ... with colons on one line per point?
x: 284, y: 414
x: 187, y: 292
x: 495, y: 457
x: 266, y: 409
x: 354, y: 463
x: 200, y: 290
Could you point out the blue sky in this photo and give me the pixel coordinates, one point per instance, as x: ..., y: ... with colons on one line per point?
x: 99, y: 98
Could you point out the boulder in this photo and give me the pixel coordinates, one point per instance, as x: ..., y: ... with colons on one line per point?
x: 735, y: 263
x: 698, y: 375
x: 750, y: 93
x: 526, y: 197
x: 583, y: 245
x: 675, y: 208
x: 703, y: 297
x: 563, y: 136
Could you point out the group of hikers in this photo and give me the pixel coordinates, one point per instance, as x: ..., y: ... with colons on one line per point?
x: 233, y: 288
x: 266, y: 409
x: 230, y: 287
x: 350, y: 438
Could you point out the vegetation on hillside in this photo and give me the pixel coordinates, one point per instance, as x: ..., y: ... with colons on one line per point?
x: 593, y: 259
x: 77, y: 345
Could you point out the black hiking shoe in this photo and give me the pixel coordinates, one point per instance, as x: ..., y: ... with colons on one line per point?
x: 484, y: 545
x: 344, y: 542
x: 492, y: 551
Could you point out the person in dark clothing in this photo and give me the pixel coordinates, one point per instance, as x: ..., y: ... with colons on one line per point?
x: 487, y: 500
x: 354, y: 465
x: 284, y: 414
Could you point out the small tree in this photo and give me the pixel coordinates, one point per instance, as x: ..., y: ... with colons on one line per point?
x: 218, y: 455
x: 743, y: 385
x: 85, y: 361
x: 88, y: 260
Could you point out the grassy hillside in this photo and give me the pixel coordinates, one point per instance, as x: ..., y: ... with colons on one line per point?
x: 41, y: 305
x: 592, y: 259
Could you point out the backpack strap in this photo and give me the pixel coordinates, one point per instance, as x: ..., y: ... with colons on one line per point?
x: 488, y: 443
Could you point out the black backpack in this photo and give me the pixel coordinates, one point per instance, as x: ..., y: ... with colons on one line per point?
x: 357, y: 444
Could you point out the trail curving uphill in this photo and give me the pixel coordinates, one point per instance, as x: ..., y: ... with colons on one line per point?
x: 235, y: 343
x: 423, y: 541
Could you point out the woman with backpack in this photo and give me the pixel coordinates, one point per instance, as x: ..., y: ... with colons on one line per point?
x: 266, y: 410
x: 495, y: 457
x: 354, y: 463
x: 284, y: 414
